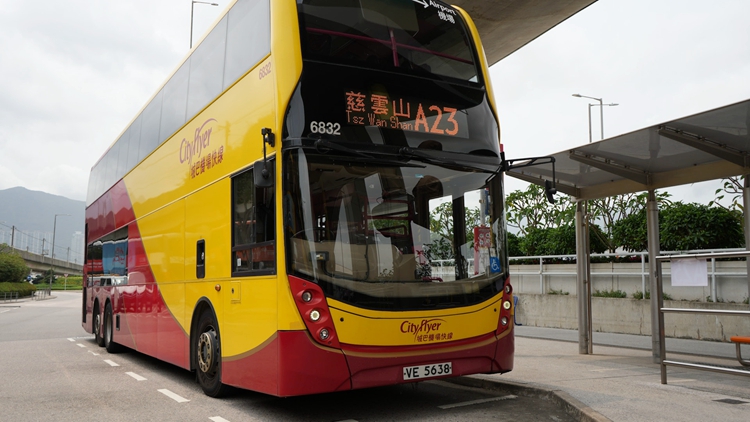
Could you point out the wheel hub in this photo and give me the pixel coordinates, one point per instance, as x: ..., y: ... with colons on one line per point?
x: 206, y: 351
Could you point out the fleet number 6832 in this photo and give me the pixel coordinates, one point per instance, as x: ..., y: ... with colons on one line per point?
x: 325, y: 128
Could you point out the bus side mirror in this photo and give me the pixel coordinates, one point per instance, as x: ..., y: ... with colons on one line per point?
x: 549, y: 191
x: 263, y: 174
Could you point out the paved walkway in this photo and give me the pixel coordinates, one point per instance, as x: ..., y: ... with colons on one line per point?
x: 620, y: 382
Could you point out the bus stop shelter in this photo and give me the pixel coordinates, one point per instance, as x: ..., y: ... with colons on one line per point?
x: 711, y: 145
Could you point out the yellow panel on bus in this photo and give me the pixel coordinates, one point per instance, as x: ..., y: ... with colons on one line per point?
x: 358, y: 326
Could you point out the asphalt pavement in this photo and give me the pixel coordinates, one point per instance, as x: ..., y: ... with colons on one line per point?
x: 618, y: 382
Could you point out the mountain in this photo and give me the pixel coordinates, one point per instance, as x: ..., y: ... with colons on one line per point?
x: 33, y: 215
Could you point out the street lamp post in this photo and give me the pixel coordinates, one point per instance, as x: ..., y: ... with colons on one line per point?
x: 192, y: 12
x: 583, y: 253
x: 601, y: 113
x: 52, y: 267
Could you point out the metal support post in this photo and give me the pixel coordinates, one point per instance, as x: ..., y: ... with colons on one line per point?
x: 746, y: 221
x: 652, y: 227
x: 583, y: 289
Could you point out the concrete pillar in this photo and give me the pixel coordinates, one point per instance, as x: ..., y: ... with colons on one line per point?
x: 652, y: 227
x: 583, y: 286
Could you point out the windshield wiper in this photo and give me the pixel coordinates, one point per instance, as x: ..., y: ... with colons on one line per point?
x: 324, y: 147
x: 440, y: 161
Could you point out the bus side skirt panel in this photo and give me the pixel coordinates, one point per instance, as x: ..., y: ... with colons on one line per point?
x: 288, y: 364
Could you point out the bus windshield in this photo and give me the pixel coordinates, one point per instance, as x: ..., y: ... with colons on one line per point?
x: 395, y: 234
x: 425, y: 38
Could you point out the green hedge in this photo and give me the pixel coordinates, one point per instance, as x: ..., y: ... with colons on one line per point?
x: 23, y: 289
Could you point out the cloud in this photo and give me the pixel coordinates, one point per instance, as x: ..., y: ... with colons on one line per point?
x: 73, y: 75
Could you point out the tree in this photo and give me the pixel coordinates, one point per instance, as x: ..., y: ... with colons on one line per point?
x: 441, y: 223
x: 683, y: 227
x: 630, y: 232
x: 695, y: 226
x: 732, y: 186
x: 612, y: 209
x: 13, y: 268
x: 559, y: 240
x: 529, y: 210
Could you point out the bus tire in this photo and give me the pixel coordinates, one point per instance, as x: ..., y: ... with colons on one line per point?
x: 207, y: 346
x: 110, y: 345
x: 97, y: 326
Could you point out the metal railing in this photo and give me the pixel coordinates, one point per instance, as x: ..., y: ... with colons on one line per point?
x: 663, y: 310
x: 541, y: 272
x: 42, y: 294
x: 9, y: 296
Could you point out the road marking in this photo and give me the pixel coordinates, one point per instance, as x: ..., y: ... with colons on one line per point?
x: 480, y: 401
x: 95, y: 354
x: 218, y: 419
x: 136, y: 376
x: 80, y: 345
x: 173, y: 396
x: 110, y: 363
x: 71, y: 339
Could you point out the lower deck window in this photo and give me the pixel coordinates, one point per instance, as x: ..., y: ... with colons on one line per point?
x: 253, y: 241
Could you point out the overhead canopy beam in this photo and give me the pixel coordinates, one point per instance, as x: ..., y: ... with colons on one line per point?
x: 538, y: 180
x: 507, y: 25
x: 610, y: 166
x: 706, y: 145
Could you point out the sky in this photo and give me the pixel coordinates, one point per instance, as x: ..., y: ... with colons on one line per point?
x: 73, y: 75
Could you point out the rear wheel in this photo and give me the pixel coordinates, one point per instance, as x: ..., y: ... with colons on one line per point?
x: 208, y: 356
x: 110, y: 345
x: 98, y: 326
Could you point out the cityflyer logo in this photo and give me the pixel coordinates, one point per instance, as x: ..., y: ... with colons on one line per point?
x: 196, y: 153
x: 426, y: 331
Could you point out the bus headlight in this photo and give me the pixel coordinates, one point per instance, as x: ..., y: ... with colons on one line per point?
x: 314, y: 315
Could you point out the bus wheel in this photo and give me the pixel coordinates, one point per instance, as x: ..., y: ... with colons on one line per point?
x: 110, y: 345
x: 208, y: 356
x: 98, y: 327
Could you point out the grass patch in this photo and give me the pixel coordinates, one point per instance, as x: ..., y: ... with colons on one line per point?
x: 557, y: 292
x: 610, y: 293
x: 74, y: 283
x: 639, y: 295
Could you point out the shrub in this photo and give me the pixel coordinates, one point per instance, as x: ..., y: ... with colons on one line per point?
x: 23, y: 289
x: 13, y: 268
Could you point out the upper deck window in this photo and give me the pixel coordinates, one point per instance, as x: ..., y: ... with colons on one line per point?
x: 404, y: 36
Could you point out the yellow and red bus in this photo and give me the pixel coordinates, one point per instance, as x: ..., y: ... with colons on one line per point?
x: 311, y: 203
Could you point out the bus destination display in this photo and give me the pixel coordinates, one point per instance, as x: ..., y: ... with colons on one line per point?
x: 401, y: 113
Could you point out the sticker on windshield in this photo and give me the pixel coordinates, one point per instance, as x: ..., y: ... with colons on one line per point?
x: 444, y: 12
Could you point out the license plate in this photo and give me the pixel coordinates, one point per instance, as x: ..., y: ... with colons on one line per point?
x: 428, y: 371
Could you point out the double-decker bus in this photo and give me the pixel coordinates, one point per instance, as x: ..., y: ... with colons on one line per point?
x: 312, y: 202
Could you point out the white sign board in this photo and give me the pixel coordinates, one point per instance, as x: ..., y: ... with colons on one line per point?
x: 689, y: 272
